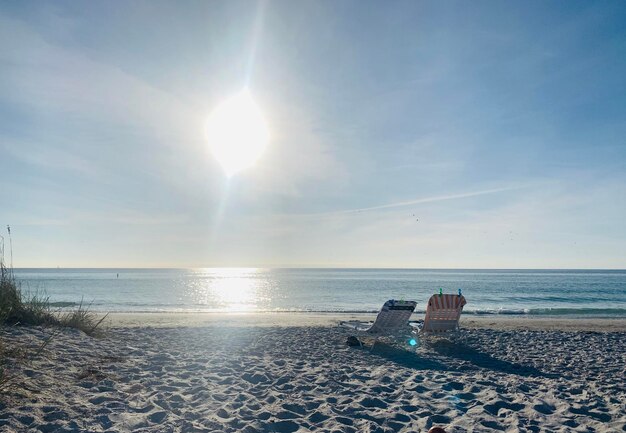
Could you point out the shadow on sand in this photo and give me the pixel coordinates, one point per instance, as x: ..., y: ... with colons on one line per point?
x: 405, y: 357
x: 462, y: 352
x: 453, y: 350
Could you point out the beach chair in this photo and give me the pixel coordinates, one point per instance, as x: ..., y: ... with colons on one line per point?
x: 442, y: 314
x: 392, y: 321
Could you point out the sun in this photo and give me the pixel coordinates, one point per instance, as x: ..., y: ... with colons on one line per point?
x: 237, y: 133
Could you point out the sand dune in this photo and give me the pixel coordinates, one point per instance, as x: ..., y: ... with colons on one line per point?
x: 304, y: 378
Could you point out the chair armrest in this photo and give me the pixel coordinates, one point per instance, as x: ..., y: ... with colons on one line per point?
x: 416, y: 325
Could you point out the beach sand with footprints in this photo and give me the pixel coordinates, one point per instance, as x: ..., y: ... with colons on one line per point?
x: 294, y: 372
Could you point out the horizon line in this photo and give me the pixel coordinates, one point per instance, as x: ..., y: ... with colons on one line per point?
x: 321, y: 268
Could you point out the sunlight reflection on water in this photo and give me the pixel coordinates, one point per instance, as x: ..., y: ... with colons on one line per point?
x: 230, y: 289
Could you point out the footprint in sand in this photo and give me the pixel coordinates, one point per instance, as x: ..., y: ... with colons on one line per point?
x: 56, y: 416
x: 264, y: 416
x: 104, y: 421
x: 343, y: 420
x: 26, y: 420
x: 602, y: 417
x: 144, y: 409
x: 157, y: 417
x: 294, y: 407
x: 492, y: 425
x: 284, y: 427
x: 544, y: 408
x: 453, y: 386
x: 402, y: 417
x: 311, y: 405
x: 285, y: 414
x: 439, y: 419
x: 573, y: 424
x: 373, y: 402
x: 495, y: 408
x: 222, y: 413
x: 466, y: 396
x: 394, y: 426
x: 99, y: 400
x: 317, y: 417
x: 50, y: 428
x: 254, y: 378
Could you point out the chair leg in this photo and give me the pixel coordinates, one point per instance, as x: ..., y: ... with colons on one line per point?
x: 373, y: 343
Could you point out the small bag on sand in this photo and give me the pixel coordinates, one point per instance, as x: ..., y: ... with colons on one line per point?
x: 353, y: 341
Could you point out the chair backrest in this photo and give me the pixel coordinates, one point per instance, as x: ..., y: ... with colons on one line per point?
x: 393, y: 316
x: 443, y: 313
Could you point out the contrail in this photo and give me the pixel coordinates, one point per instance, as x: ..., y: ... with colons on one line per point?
x: 416, y: 201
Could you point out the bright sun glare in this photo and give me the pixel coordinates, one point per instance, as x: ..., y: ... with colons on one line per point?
x: 237, y: 133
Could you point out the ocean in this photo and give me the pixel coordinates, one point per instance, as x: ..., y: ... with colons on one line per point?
x: 587, y: 293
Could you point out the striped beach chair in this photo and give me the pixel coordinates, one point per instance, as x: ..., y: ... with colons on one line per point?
x: 392, y: 320
x: 443, y: 313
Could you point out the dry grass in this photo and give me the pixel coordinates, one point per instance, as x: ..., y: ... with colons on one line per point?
x: 4, y: 378
x: 84, y: 319
x: 19, y: 308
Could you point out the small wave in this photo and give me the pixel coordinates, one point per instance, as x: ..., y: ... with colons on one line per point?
x: 600, y: 312
x: 63, y: 304
x: 586, y: 312
x: 613, y: 312
x: 502, y: 311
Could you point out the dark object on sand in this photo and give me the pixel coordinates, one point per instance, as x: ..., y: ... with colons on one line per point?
x: 436, y: 430
x: 353, y: 341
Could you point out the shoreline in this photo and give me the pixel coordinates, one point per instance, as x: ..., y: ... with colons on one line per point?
x: 301, y: 319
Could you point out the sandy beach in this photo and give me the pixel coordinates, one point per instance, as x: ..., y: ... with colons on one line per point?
x: 294, y: 372
x: 196, y: 196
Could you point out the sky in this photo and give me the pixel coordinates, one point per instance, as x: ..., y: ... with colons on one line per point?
x: 418, y: 134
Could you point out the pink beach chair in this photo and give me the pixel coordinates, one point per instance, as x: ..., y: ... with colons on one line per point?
x: 443, y: 313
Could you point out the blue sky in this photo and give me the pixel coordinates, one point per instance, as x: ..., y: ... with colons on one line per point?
x: 499, y: 125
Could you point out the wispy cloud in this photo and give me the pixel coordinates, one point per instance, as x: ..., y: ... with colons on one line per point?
x: 110, y: 217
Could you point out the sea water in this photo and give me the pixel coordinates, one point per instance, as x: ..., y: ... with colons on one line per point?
x: 534, y: 292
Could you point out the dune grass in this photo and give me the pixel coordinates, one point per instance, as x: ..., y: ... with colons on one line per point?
x: 20, y: 308
x: 82, y: 318
x: 4, y: 378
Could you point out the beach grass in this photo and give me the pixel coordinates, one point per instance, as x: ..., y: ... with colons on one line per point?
x: 21, y: 308
x: 83, y: 318
x: 3, y: 376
